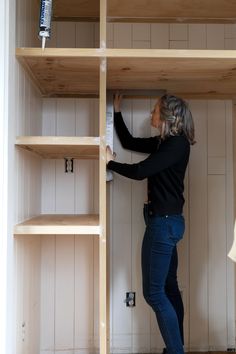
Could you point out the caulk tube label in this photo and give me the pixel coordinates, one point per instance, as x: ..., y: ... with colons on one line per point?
x: 45, y: 18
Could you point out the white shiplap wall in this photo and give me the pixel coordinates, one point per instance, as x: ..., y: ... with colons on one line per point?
x: 68, y: 273
x: 26, y: 105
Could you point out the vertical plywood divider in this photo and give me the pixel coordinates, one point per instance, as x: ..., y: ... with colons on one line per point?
x: 103, y: 303
x: 103, y: 264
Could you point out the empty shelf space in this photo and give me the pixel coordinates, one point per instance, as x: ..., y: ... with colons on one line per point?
x: 59, y: 225
x: 51, y: 147
x: 63, y: 72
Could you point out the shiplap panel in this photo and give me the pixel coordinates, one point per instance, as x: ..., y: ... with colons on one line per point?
x: 19, y: 286
x: 121, y: 283
x: 84, y: 292
x: 47, y: 320
x: 198, y: 232
x: 179, y: 44
x: 52, y: 42
x: 49, y: 122
x: 216, y: 166
x: 121, y: 249
x: 65, y: 293
x: 215, y: 36
x: 122, y: 35
x: 230, y: 225
x: 183, y: 261
x: 110, y: 31
x: 141, y: 44
x: 49, y: 116
x: 141, y: 31
x: 96, y: 292
x: 178, y: 32
x: 84, y: 186
x: 26, y: 24
x: 65, y: 186
x: 48, y: 196
x: 66, y: 34
x: 28, y: 118
x: 65, y: 182
x: 28, y: 267
x: 85, y: 35
x: 197, y: 36
x: 159, y: 35
x: 85, y: 118
x: 66, y: 117
x: 216, y: 129
x: 217, y: 263
x: 35, y: 186
x: 33, y: 294
x: 140, y: 314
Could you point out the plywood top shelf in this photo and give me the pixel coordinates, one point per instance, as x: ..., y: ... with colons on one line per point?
x: 175, y: 11
x: 59, y: 225
x: 188, y: 73
x: 58, y: 147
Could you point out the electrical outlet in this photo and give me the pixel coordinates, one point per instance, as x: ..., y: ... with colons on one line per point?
x: 130, y: 299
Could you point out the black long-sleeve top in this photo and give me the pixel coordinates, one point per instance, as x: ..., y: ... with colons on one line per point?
x: 164, y: 168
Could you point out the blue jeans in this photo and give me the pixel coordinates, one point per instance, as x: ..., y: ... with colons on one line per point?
x: 159, y: 268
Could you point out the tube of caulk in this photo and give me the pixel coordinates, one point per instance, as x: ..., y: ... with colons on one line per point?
x: 45, y: 21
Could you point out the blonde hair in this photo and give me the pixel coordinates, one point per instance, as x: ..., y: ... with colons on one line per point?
x: 176, y: 117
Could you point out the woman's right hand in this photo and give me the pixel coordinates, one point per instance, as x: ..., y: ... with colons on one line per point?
x: 117, y: 102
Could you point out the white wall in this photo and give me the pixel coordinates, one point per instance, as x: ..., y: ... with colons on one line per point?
x: 25, y: 118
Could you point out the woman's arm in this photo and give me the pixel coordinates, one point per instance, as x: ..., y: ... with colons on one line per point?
x: 146, y: 145
x: 170, y: 153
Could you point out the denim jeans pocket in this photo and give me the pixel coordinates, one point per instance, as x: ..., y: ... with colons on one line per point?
x: 176, y: 228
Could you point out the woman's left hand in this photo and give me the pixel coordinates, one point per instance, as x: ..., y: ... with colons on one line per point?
x: 109, y: 155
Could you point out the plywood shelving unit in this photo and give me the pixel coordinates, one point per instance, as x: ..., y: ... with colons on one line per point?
x: 90, y: 72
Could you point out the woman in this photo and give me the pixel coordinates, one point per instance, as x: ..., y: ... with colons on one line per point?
x: 165, y: 170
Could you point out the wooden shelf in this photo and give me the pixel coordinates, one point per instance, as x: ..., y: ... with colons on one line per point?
x: 178, y: 11
x: 62, y: 72
x: 188, y: 73
x: 59, y: 225
x: 57, y: 147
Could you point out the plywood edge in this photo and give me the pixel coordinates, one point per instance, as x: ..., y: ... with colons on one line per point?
x: 22, y: 53
x: 171, y: 53
x: 57, y: 140
x: 177, y: 20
